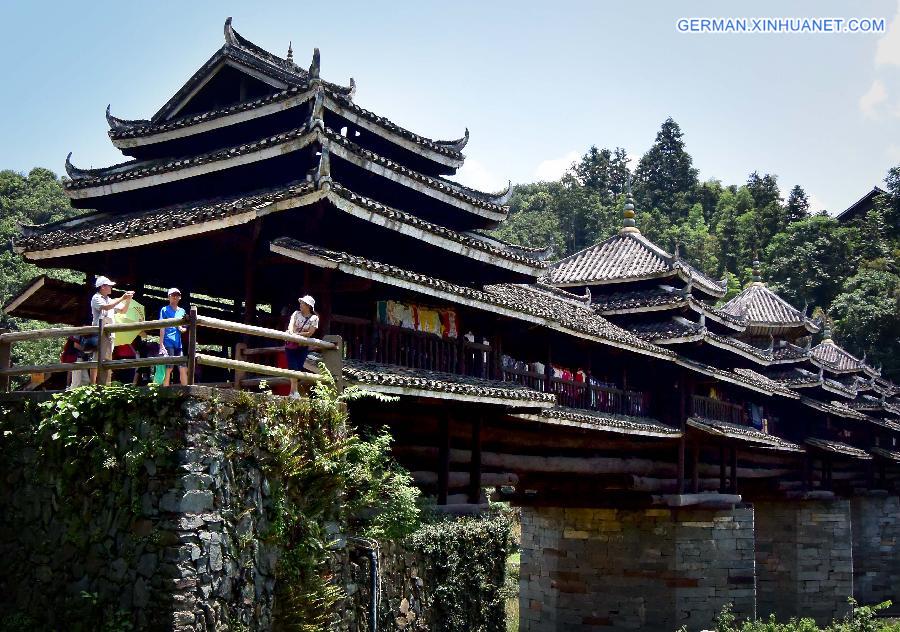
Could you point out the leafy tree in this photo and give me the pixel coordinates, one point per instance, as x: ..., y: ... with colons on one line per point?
x: 867, y: 316
x: 665, y: 177
x: 810, y: 260
x: 797, y: 206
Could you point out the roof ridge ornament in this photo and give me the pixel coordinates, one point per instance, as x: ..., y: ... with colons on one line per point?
x: 117, y: 123
x: 317, y: 114
x: 771, y: 344
x: 323, y: 173
x: 352, y: 92
x: 230, y: 37
x: 456, y: 145
x: 502, y: 197
x: 315, y: 66
x: 74, y: 172
x: 290, y: 53
x: 628, y: 224
x: 587, y: 295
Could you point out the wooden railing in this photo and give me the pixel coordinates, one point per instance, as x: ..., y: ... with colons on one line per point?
x: 582, y: 394
x: 369, y: 341
x: 329, y: 347
x: 717, y: 409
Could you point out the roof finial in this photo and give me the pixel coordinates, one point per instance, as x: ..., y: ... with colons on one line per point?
x: 323, y: 173
x: 756, y: 278
x: 677, y: 249
x: 826, y: 332
x: 230, y: 38
x: 315, y: 66
x: 628, y: 225
x: 290, y: 53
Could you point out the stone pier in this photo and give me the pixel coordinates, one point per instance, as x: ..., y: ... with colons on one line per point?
x: 804, y: 558
x: 653, y: 569
x: 876, y: 533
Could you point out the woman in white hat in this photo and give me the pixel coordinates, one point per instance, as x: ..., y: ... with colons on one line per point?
x: 304, y: 322
x: 103, y: 308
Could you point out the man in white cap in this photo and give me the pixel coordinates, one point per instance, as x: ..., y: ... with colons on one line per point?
x: 304, y: 322
x: 103, y: 309
x: 170, y: 337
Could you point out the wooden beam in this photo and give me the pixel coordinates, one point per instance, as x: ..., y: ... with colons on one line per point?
x: 475, y: 479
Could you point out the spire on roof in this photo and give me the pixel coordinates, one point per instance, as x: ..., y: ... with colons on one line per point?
x: 315, y: 66
x: 757, y: 277
x: 628, y: 225
x: 290, y: 53
x: 826, y: 332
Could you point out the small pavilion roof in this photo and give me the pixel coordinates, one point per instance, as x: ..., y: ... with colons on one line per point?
x: 592, y: 420
x: 763, y: 308
x: 838, y: 448
x: 744, y: 434
x: 835, y: 358
x: 628, y: 256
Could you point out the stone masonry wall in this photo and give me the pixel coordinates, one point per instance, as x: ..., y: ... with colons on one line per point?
x: 876, y: 535
x: 183, y: 557
x: 804, y: 558
x: 653, y: 569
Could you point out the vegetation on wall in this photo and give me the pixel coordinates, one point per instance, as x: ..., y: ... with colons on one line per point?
x: 859, y: 619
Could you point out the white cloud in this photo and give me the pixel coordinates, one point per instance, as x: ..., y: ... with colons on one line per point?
x: 474, y: 174
x: 888, y: 51
x: 869, y: 102
x: 553, y: 169
x: 815, y: 204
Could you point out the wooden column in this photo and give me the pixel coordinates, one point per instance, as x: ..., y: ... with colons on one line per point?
x: 475, y: 463
x: 734, y: 481
x: 250, y: 274
x: 5, y: 361
x: 192, y: 345
x: 443, y: 465
x: 695, y: 469
x: 722, y: 474
x: 682, y: 423
x: 324, y: 303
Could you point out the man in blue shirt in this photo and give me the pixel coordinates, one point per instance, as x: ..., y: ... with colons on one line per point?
x: 170, y: 337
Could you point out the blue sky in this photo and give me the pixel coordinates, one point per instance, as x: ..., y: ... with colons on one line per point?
x: 536, y: 82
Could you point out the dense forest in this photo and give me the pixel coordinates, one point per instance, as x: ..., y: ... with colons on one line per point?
x: 847, y: 274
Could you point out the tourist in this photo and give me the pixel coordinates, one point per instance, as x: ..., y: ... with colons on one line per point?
x: 304, y: 322
x: 103, y: 309
x: 170, y: 337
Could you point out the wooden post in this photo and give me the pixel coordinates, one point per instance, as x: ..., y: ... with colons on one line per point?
x: 682, y: 423
x: 695, y: 470
x: 192, y: 345
x: 475, y: 463
x: 5, y: 362
x: 250, y: 274
x: 239, y: 355
x: 333, y: 359
x: 443, y: 465
x: 722, y: 475
x: 103, y: 350
x: 734, y: 481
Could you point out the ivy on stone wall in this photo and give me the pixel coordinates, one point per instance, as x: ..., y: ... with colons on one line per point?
x: 465, y: 563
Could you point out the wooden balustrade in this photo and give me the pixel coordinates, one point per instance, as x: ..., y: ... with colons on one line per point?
x: 717, y: 409
x: 329, y: 348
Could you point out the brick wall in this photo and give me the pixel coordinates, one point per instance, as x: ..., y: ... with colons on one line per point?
x: 634, y: 569
x: 804, y: 558
x: 876, y: 533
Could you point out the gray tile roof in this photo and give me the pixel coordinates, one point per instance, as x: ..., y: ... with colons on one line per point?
x: 666, y: 330
x: 834, y: 408
x: 531, y: 302
x: 835, y: 358
x: 836, y: 447
x: 603, y: 422
x: 637, y: 300
x: 884, y: 453
x: 761, y: 306
x: 371, y: 374
x: 737, y: 432
x: 624, y: 257
x: 794, y: 377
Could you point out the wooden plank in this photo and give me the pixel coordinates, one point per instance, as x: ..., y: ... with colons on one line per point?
x: 136, y: 363
x: 145, y: 325
x: 262, y: 332
x: 47, y: 368
x: 249, y: 367
x: 42, y: 334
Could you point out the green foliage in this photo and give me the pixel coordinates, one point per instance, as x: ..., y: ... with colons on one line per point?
x: 859, y: 619
x: 463, y: 559
x: 665, y: 177
x: 33, y: 199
